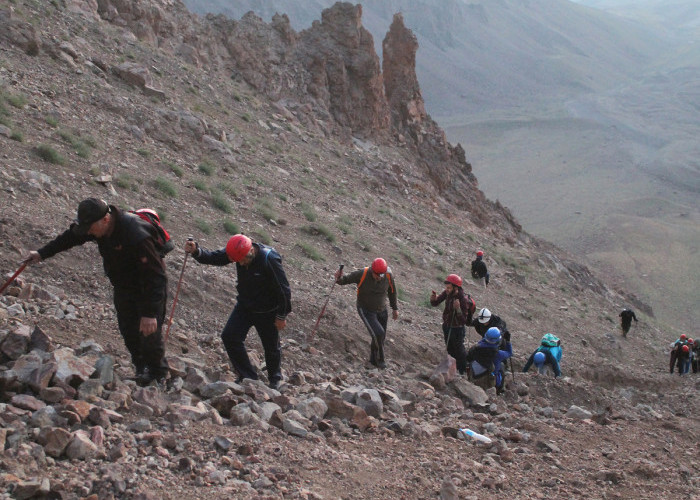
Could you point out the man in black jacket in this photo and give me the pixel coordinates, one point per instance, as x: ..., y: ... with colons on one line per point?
x: 264, y: 301
x: 626, y: 317
x: 479, y: 270
x: 485, y: 320
x: 133, y: 262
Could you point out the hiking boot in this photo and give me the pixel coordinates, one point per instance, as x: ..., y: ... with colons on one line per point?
x: 381, y: 365
x: 274, y: 384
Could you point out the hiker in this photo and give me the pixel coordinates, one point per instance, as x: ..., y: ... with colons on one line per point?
x: 457, y: 313
x: 626, y: 317
x: 485, y: 320
x: 133, y: 261
x: 479, y: 271
x: 547, y: 355
x: 374, y: 283
x: 677, y: 351
x: 694, y: 354
x: 485, y: 360
x: 264, y: 301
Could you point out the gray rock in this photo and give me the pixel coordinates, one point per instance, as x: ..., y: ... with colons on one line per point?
x: 241, y: 415
x: 370, y: 401
x: 312, y: 408
x: 81, y: 447
x: 578, y: 413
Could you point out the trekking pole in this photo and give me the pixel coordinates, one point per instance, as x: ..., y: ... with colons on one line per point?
x: 17, y: 273
x: 177, y: 292
x: 323, y: 309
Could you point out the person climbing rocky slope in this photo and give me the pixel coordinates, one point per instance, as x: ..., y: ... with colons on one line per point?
x: 226, y: 126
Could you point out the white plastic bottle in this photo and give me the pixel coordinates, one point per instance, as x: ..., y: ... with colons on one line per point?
x: 475, y: 435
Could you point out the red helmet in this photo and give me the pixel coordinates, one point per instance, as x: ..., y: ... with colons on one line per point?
x: 454, y: 280
x: 238, y: 247
x: 691, y: 341
x: 683, y: 336
x: 686, y: 348
x: 480, y: 253
x: 379, y: 265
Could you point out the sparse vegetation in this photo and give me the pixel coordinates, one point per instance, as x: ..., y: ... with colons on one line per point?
x: 51, y: 120
x: 81, y: 148
x: 231, y: 227
x: 207, y: 168
x: 263, y: 237
x: 310, y: 251
x: 174, y: 168
x: 16, y: 100
x: 200, y: 185
x: 319, y: 229
x: 125, y: 181
x: 16, y: 135
x: 308, y: 212
x: 144, y: 152
x: 166, y: 187
x: 219, y: 201
x: 265, y: 209
x: 203, y: 226
x: 49, y: 154
x: 227, y: 188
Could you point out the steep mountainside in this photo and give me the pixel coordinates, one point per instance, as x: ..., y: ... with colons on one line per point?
x: 303, y: 141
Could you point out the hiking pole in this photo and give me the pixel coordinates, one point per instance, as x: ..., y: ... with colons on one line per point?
x: 17, y: 273
x: 177, y: 292
x: 323, y: 309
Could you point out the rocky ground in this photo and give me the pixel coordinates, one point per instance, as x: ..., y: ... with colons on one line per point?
x: 214, y: 155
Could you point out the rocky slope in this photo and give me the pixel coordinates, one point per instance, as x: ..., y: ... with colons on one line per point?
x: 300, y: 140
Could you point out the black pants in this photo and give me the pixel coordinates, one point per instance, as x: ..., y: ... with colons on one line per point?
x: 235, y: 333
x: 146, y: 351
x: 626, y: 327
x: 376, y: 325
x: 454, y: 339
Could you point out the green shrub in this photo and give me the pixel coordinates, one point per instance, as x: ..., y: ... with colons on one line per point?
x: 166, y: 187
x: 263, y: 237
x: 203, y: 226
x: 308, y: 212
x: 220, y: 202
x: 231, y: 227
x: 175, y: 169
x: 52, y: 120
x: 125, y: 181
x: 5, y: 120
x: 80, y: 147
x: 246, y: 117
x: 200, y: 185
x: 310, y: 251
x: 282, y: 196
x: 264, y: 208
x: 207, y: 168
x: 17, y: 136
x: 49, y: 154
x: 16, y: 100
x: 319, y: 229
x: 227, y: 188
x: 144, y: 152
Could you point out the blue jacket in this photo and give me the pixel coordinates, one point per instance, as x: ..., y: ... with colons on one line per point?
x: 262, y: 286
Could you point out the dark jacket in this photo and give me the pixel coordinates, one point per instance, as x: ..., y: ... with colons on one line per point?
x: 371, y: 295
x: 496, y: 321
x: 130, y: 257
x: 262, y: 286
x: 479, y: 269
x: 450, y: 316
x: 627, y: 316
x: 487, y: 354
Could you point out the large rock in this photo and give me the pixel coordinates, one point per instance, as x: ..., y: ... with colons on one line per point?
x: 16, y: 343
x: 70, y: 369
x: 81, y: 447
x: 473, y: 394
x: 312, y: 408
x: 370, y: 401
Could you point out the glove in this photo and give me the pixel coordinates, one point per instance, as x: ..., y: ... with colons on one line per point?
x: 506, y: 336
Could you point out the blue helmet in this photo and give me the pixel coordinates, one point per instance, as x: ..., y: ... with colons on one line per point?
x: 539, y: 358
x: 493, y: 335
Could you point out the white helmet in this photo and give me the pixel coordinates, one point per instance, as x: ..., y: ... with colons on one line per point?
x: 484, y: 315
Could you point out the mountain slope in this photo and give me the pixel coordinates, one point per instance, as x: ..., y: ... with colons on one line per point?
x: 110, y: 103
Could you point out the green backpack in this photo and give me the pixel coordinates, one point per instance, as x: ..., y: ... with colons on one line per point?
x: 550, y: 340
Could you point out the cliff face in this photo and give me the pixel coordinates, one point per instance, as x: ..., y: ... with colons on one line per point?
x: 328, y: 76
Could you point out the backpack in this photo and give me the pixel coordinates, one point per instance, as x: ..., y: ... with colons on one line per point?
x: 550, y: 340
x: 388, y: 277
x: 475, y: 272
x: 471, y: 304
x: 163, y: 240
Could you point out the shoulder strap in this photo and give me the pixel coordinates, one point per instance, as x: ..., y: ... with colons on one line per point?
x: 364, y: 275
x: 391, y: 283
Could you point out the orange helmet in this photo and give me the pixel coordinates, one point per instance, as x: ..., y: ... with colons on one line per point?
x: 379, y: 265
x: 238, y: 247
x: 480, y: 253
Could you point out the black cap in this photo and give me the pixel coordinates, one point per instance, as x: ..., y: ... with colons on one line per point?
x: 89, y: 212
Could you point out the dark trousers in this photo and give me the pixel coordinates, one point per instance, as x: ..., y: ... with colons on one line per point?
x: 235, y: 333
x: 626, y: 327
x: 376, y: 325
x: 146, y: 351
x: 454, y: 339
